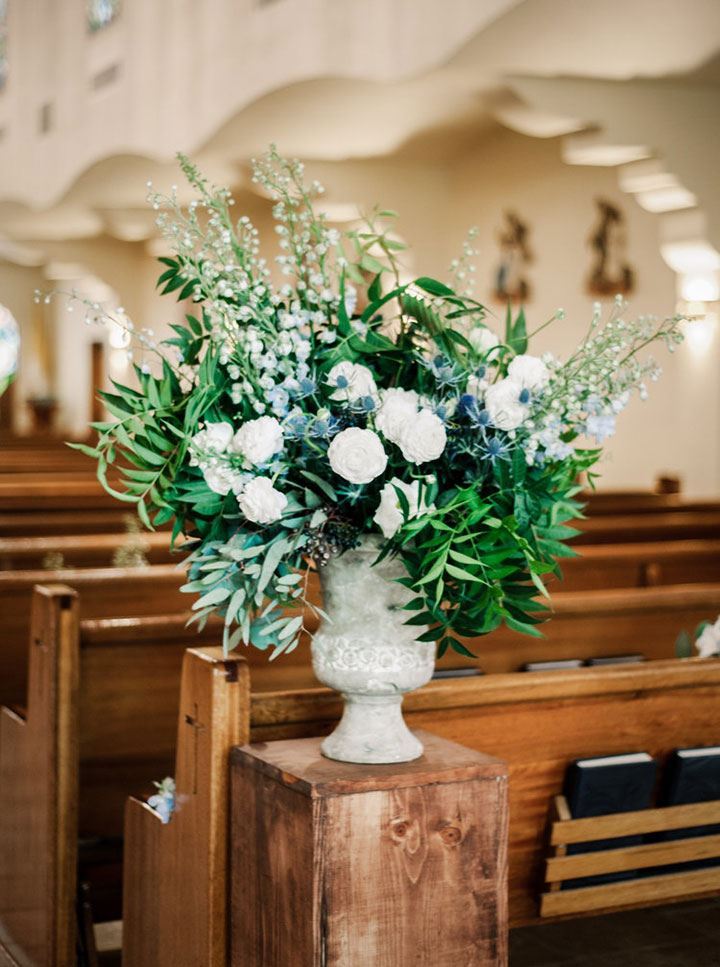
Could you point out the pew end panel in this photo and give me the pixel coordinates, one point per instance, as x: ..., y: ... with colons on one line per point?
x: 175, y: 875
x: 38, y: 791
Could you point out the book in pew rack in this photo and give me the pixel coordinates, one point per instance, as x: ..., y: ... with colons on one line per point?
x: 604, y: 785
x: 692, y: 775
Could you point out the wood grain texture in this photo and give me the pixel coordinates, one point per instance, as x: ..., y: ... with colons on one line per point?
x: 537, y: 723
x: 79, y: 550
x: 638, y: 822
x: 176, y: 875
x: 561, y: 868
x: 391, y: 872
x: 657, y: 889
x: 660, y: 526
x: 104, y: 592
x: 604, y: 566
x: 38, y: 793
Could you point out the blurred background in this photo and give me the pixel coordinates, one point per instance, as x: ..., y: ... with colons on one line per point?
x: 581, y: 138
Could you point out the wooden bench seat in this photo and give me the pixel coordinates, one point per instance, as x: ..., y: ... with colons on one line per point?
x: 100, y: 725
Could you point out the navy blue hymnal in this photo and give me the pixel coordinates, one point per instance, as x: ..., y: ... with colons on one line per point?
x: 605, y: 785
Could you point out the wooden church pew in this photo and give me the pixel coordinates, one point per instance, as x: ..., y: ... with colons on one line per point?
x: 105, y: 592
x: 188, y: 924
x: 603, y: 566
x: 123, y: 683
x: 82, y: 550
x: 99, y: 725
x: 658, y: 526
x: 538, y: 723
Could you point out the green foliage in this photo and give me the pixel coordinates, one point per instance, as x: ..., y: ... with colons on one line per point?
x: 493, y: 514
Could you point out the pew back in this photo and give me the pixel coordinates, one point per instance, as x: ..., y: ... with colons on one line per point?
x: 105, y: 592
x: 82, y: 550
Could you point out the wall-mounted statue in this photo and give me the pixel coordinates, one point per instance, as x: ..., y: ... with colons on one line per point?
x: 511, y: 282
x: 610, y: 273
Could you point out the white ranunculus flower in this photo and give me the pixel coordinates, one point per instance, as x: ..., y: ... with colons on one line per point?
x: 708, y: 642
x: 357, y: 455
x: 483, y: 340
x: 423, y: 438
x: 355, y: 381
x: 260, y: 502
x: 259, y: 440
x: 502, y: 401
x: 397, y: 407
x: 215, y: 438
x: 389, y: 515
x: 222, y: 479
x: 530, y: 372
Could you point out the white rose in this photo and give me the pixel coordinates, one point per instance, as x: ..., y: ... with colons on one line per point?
x: 389, y: 515
x: 258, y: 440
x: 483, y: 340
x: 260, y: 502
x: 708, y: 643
x: 222, y: 479
x: 530, y: 372
x: 423, y: 438
x: 215, y: 438
x: 356, y: 381
x: 397, y: 407
x: 502, y: 401
x: 357, y: 455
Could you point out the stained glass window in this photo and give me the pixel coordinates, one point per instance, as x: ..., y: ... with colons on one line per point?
x: 3, y: 42
x: 100, y: 13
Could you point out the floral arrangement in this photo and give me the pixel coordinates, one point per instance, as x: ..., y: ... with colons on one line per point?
x: 9, y: 348
x: 284, y: 421
x: 706, y: 638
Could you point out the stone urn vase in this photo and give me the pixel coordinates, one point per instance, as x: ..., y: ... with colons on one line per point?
x: 367, y: 652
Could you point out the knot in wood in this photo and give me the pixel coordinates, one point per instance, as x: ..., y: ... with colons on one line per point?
x: 399, y: 828
x: 451, y: 835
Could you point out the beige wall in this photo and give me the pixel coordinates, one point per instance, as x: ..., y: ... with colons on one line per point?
x: 678, y: 428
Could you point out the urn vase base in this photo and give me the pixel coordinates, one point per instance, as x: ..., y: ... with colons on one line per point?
x: 372, y: 730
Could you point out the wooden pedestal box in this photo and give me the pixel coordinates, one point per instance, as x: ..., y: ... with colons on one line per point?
x: 345, y: 865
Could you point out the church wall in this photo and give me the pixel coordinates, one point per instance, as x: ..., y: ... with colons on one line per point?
x: 677, y: 430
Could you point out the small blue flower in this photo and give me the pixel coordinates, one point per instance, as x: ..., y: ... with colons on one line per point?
x: 601, y: 426
x: 524, y: 396
x: 470, y: 407
x: 323, y: 429
x: 366, y: 404
x: 295, y: 426
x: 444, y: 371
x: 279, y: 400
x: 495, y: 449
x: 163, y: 802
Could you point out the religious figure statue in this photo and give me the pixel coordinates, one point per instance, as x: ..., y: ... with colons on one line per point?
x: 511, y: 283
x: 610, y: 274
